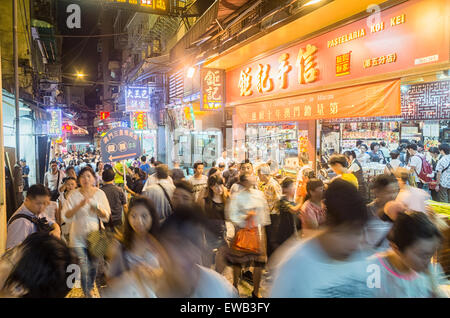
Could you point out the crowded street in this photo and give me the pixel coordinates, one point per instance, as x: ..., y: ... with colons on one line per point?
x: 225, y: 149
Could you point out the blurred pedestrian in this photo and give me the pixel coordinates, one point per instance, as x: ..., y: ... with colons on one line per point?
x: 53, y: 179
x: 312, y: 215
x: 272, y: 192
x: 385, y: 188
x: 330, y: 263
x: 25, y: 174
x: 116, y: 199
x: 412, y: 197
x: 213, y: 203
x: 182, y: 236
x: 86, y: 209
x: 443, y: 174
x: 289, y: 221
x: 176, y: 173
x: 339, y: 165
x: 406, y: 270
x: 355, y: 167
x: 248, y: 210
x: 37, y: 268
x: 98, y: 173
x: 160, y: 192
x: 30, y: 217
x: 135, y: 260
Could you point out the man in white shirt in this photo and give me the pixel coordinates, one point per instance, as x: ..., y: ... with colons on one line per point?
x: 34, y: 207
x: 199, y: 181
x: 51, y: 177
x: 415, y: 163
x: 223, y: 159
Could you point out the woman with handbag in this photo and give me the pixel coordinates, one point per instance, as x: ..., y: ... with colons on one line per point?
x: 85, y: 208
x: 135, y: 268
x: 249, y: 213
x: 213, y: 201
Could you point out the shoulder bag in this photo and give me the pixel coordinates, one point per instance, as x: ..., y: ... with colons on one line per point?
x: 247, y: 239
x: 55, y: 193
x: 99, y: 241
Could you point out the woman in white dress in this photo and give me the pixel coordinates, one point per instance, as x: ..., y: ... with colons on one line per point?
x: 86, y: 208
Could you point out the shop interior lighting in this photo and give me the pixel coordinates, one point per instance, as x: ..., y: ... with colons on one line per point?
x: 309, y: 3
x: 191, y: 72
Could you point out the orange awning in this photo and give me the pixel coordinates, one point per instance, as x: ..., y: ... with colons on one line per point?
x: 379, y: 99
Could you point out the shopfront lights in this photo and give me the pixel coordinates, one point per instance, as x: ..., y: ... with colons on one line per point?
x: 190, y: 72
x: 309, y: 3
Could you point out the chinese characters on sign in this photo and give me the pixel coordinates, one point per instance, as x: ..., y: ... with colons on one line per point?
x: 391, y: 58
x: 137, y: 99
x: 148, y: 6
x: 120, y: 144
x: 139, y: 121
x: 343, y: 64
x: 307, y: 72
x: 213, y: 93
x: 384, y: 100
x: 55, y: 125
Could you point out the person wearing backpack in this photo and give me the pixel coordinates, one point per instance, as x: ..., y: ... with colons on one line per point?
x: 419, y: 166
x: 443, y: 174
x: 29, y: 218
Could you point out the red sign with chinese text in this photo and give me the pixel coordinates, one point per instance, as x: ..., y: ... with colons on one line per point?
x: 212, y: 88
x: 409, y: 35
x: 380, y: 99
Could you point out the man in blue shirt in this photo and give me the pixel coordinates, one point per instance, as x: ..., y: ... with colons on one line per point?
x: 36, y: 202
x: 145, y: 166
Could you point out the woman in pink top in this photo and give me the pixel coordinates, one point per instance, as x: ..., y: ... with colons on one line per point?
x: 312, y: 213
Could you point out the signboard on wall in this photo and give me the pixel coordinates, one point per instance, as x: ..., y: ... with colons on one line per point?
x: 145, y: 6
x: 120, y: 144
x: 139, y: 121
x: 410, y: 35
x: 370, y: 100
x: 55, y: 124
x: 212, y: 89
x: 137, y: 99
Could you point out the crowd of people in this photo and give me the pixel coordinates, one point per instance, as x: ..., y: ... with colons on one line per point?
x: 144, y: 230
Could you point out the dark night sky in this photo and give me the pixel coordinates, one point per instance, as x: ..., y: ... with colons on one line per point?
x: 80, y: 54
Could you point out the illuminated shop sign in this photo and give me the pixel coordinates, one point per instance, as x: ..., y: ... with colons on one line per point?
x: 213, y: 89
x: 137, y: 99
x: 55, y: 124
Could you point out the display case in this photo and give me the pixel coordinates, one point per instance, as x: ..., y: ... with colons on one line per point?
x: 370, y: 132
x: 277, y: 142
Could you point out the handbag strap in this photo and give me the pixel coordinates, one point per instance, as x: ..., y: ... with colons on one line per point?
x: 167, y: 196
x: 57, y: 181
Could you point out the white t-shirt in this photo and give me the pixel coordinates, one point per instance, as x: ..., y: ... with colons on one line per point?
x: 50, y: 212
x: 198, y: 184
x: 213, y: 285
x: 416, y: 161
x: 50, y: 180
x: 84, y: 221
x: 414, y: 198
x: 305, y: 271
x: 417, y: 285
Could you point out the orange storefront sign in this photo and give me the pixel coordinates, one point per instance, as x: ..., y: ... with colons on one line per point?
x: 379, y: 99
x: 410, y: 35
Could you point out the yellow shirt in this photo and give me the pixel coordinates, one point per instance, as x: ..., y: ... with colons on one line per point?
x: 118, y: 179
x: 350, y: 177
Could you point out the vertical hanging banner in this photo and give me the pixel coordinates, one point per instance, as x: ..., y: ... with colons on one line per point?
x: 139, y: 121
x: 212, y: 88
x: 55, y: 125
x: 120, y: 144
x: 137, y: 99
